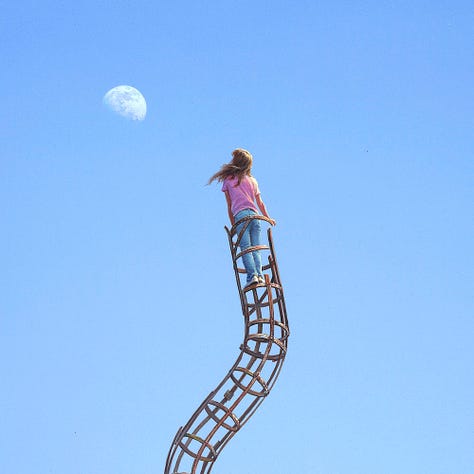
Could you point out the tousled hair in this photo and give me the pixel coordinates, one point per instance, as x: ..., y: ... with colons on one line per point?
x: 239, y: 166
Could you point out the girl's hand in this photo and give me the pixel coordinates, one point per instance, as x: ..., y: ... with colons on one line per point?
x: 263, y: 209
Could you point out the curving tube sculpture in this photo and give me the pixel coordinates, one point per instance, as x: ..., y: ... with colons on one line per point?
x: 230, y: 405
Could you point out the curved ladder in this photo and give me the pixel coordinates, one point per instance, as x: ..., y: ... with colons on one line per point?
x: 229, y: 406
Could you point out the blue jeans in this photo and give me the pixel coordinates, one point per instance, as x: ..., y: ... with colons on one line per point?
x: 252, y: 261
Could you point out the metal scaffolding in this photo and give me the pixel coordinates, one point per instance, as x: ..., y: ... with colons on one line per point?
x: 230, y: 405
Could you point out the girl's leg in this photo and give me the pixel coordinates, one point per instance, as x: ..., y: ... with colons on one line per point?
x: 245, y: 243
x: 255, y: 240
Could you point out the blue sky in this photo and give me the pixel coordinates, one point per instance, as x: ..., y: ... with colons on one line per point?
x: 119, y: 311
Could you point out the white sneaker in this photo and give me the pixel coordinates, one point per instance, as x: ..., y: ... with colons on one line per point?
x: 261, y: 280
x: 253, y: 281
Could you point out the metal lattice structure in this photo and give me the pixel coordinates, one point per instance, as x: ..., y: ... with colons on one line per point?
x: 230, y: 405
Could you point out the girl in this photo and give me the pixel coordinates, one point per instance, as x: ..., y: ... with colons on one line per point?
x: 241, y: 192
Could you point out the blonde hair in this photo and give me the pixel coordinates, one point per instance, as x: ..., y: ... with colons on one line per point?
x: 240, y: 166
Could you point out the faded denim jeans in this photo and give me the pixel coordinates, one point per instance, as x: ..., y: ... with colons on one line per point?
x: 251, y: 237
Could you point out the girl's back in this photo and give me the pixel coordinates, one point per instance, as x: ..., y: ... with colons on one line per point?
x: 242, y: 195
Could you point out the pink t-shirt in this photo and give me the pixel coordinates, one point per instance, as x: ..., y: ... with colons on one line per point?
x: 242, y: 196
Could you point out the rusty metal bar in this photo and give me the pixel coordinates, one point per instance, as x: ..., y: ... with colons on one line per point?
x: 197, y: 445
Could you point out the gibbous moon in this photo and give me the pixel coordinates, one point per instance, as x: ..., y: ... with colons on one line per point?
x: 126, y: 101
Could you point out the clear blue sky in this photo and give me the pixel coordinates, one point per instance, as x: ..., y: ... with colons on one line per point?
x: 119, y: 311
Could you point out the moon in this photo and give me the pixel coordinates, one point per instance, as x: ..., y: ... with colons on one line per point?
x: 127, y: 102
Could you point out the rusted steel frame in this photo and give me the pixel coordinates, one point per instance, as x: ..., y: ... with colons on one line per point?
x: 276, y: 271
x: 252, y: 249
x: 203, y: 406
x: 246, y: 220
x: 247, y: 390
x: 255, y: 377
x: 265, y: 356
x: 198, y: 457
x: 254, y: 406
x: 261, y: 304
x: 244, y: 417
x: 251, y: 409
x: 230, y: 422
x: 185, y: 430
x: 210, y: 398
x: 235, y: 245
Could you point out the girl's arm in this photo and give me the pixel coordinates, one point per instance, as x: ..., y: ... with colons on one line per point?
x: 263, y: 209
x: 229, y: 207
